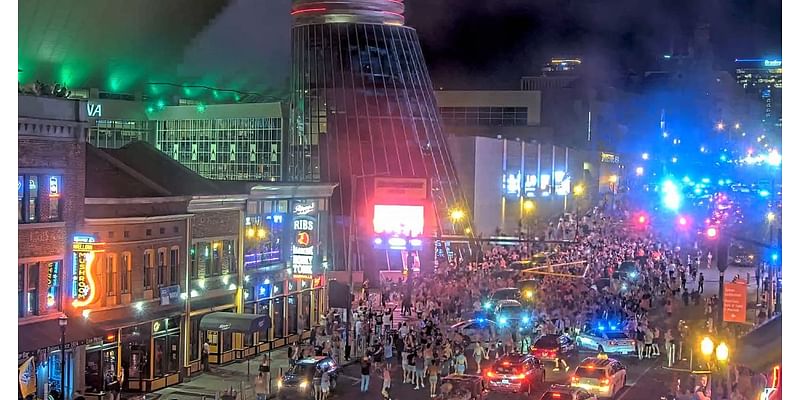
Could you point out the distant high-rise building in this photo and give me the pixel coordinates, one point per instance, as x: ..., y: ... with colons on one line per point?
x: 557, y: 66
x: 363, y: 106
x: 763, y: 79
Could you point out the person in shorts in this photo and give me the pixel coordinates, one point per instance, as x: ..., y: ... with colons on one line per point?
x: 325, y: 385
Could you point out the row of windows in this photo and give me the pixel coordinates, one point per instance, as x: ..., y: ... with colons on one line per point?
x: 207, y: 259
x: 485, y: 116
x: 39, y: 198
x: 113, y: 134
x: 157, y: 270
x: 30, y: 292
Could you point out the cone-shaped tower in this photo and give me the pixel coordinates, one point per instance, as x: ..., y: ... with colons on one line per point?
x: 363, y: 105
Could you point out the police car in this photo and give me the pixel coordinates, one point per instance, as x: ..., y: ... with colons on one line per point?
x: 511, y: 313
x: 606, y: 339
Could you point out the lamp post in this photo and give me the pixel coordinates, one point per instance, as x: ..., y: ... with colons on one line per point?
x: 62, y: 324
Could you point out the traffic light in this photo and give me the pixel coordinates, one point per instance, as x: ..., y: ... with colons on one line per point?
x: 712, y: 233
x: 682, y: 221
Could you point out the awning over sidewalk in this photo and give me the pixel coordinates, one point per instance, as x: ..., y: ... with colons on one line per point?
x: 43, y: 334
x: 235, y: 322
x: 760, y: 350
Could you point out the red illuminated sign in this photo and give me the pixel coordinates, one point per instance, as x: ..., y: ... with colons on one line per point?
x: 303, y: 239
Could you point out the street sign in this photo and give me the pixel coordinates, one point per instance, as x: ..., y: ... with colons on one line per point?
x: 734, y: 303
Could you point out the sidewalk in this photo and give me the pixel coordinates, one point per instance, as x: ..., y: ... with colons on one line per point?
x: 220, y: 379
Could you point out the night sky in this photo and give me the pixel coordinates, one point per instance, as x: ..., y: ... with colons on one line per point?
x: 490, y: 44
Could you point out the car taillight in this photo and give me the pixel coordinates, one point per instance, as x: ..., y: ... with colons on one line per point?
x: 519, y: 376
x: 555, y: 395
x: 575, y: 379
x: 604, y: 381
x: 490, y: 374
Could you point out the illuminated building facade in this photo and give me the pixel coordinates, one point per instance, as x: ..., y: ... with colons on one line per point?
x: 218, y: 141
x: 142, y: 255
x: 363, y: 106
x: 51, y: 135
x: 763, y: 79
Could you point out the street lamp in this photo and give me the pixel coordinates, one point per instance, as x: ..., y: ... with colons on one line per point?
x: 456, y: 214
x: 707, y: 346
x: 529, y: 206
x: 578, y: 190
x: 62, y: 324
x: 770, y: 216
x: 722, y: 352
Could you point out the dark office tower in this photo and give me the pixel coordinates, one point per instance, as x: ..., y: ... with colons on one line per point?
x: 363, y: 105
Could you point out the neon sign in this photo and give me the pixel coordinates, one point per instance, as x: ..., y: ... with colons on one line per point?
x: 303, y: 209
x: 52, y: 283
x: 84, y: 286
x: 512, y: 183
x: 303, y: 248
x: 772, y: 63
x: 55, y: 186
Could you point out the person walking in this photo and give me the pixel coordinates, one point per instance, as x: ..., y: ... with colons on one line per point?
x: 433, y: 376
x: 479, y: 353
x: 419, y: 370
x: 325, y: 385
x: 261, y: 386
x: 461, y: 363
x: 387, y: 380
x: 366, y: 364
x: 206, y: 351
x: 669, y: 345
x: 700, y: 283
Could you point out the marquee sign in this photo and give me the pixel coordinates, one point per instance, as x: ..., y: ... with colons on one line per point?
x: 84, y: 287
x: 303, y: 249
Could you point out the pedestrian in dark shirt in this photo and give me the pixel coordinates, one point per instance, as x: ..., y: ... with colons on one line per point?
x: 700, y: 283
x: 366, y: 365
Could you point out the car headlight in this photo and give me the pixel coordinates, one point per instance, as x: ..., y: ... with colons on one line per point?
x: 280, y: 384
x: 303, y: 384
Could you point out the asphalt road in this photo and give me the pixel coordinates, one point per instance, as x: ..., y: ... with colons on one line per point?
x: 646, y: 381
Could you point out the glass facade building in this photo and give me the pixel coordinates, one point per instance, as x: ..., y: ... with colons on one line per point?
x: 222, y: 141
x: 363, y: 105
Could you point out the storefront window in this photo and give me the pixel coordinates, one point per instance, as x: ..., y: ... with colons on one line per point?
x: 264, y: 335
x: 99, y: 361
x: 227, y: 341
x: 228, y: 259
x: 264, y: 233
x: 194, y: 339
x: 21, y: 291
x: 166, y: 341
x: 305, y: 315
x: 204, y: 259
x: 33, y: 199
x: 193, y: 262
x: 216, y: 260
x: 136, y: 351
x: 291, y: 314
x: 54, y: 197
x: 277, y: 317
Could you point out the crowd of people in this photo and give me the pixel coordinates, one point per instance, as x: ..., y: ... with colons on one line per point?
x: 580, y: 292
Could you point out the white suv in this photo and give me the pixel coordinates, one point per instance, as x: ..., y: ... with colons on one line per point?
x: 603, y: 376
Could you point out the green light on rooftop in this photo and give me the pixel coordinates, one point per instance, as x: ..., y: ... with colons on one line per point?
x: 150, y: 109
x: 201, y: 108
x: 161, y: 104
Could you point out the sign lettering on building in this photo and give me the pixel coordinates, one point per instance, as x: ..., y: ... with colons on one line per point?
x: 303, y: 209
x: 609, y: 158
x: 84, y: 287
x: 303, y: 247
x: 94, y: 110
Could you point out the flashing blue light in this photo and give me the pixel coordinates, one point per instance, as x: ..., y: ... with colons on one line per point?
x: 503, y: 321
x: 705, y: 180
x: 686, y: 179
x: 723, y: 158
x: 672, y: 198
x: 698, y: 190
x: 763, y: 193
x: 481, y: 320
x: 721, y: 182
x: 526, y: 319
x: 613, y: 327
x: 774, y: 158
x: 632, y: 274
x: 487, y: 305
x: 601, y: 328
x: 645, y: 156
x: 774, y: 256
x: 728, y: 181
x: 624, y: 286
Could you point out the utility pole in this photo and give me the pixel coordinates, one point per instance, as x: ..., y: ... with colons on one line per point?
x: 722, y: 264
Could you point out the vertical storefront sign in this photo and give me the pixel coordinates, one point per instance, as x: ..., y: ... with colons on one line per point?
x: 304, y: 242
x: 84, y: 290
x: 52, y: 283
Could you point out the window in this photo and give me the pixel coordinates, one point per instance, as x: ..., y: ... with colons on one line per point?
x: 53, y: 285
x: 54, y: 197
x: 148, y: 232
x: 28, y: 290
x: 126, y: 234
x: 162, y: 267
x: 147, y: 269
x: 161, y: 230
x: 20, y: 198
x: 193, y: 262
x: 125, y: 276
x: 32, y: 205
x: 173, y: 266
x: 111, y: 274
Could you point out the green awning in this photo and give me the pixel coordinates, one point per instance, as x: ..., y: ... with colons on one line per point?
x: 229, y: 321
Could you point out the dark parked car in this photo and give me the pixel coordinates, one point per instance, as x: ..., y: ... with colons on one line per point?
x: 298, y: 381
x: 516, y: 373
x: 552, y: 347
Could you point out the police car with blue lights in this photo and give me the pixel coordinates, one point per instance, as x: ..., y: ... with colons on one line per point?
x: 510, y: 313
x: 475, y: 329
x: 606, y: 338
x: 627, y: 271
x: 510, y: 293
